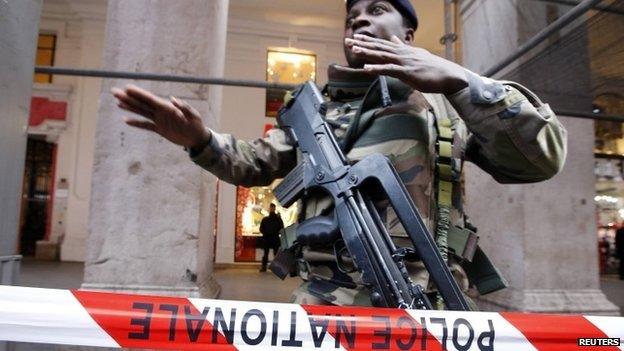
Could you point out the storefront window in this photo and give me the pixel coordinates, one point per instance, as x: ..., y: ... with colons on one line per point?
x: 609, y: 201
x: 252, y: 204
x: 287, y: 66
x: 609, y: 141
x: 609, y: 171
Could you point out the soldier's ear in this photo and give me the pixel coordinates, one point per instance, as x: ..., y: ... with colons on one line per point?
x: 409, y: 35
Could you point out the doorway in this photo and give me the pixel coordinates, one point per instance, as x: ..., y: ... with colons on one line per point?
x: 37, y: 191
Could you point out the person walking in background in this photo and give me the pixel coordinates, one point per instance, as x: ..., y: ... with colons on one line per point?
x: 270, y: 228
x: 619, y: 249
x: 603, y: 252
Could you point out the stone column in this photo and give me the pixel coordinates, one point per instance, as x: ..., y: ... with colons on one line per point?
x: 542, y: 236
x: 19, y: 26
x: 152, y: 210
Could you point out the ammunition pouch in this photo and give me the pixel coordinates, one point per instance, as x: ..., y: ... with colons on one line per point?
x: 483, y: 274
x: 462, y: 243
x: 285, y: 262
x: 288, y: 236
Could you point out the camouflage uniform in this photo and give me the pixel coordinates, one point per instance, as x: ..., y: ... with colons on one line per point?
x: 504, y: 129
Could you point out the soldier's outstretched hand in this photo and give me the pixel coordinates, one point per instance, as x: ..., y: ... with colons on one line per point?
x: 414, y: 66
x: 173, y: 119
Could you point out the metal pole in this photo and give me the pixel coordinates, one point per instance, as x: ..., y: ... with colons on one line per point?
x: 449, y: 37
x: 608, y: 156
x: 246, y: 83
x: 9, y: 269
x: 563, y: 21
x: 9, y: 275
x: 603, y: 8
x: 589, y: 115
x: 161, y: 77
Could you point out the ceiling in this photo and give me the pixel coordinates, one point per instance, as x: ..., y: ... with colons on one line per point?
x: 325, y: 14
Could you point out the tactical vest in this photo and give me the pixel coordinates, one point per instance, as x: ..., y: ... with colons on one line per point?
x: 425, y: 146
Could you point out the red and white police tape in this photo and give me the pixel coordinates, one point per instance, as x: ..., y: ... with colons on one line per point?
x: 122, y: 320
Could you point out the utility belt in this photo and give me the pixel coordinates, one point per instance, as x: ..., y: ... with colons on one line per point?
x: 462, y: 244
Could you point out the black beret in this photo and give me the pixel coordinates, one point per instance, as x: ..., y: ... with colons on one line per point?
x: 403, y: 6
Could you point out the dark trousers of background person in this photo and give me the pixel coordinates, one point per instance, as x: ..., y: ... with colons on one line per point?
x: 622, y: 267
x: 265, y: 257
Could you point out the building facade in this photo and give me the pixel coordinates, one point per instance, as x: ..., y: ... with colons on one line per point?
x: 285, y: 41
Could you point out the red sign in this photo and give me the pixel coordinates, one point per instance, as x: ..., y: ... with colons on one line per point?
x: 42, y: 108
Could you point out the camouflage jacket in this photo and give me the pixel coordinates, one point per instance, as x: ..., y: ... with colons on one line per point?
x: 500, y: 126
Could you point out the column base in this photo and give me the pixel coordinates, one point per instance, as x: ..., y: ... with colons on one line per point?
x: 208, y: 290
x: 579, y: 301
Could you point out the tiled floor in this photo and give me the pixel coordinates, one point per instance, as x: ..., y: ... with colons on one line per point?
x: 250, y: 285
x: 244, y: 283
x: 614, y: 289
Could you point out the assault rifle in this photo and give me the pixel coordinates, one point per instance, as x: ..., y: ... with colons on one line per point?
x: 353, y: 189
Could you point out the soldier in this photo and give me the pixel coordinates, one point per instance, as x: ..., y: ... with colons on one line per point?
x: 428, y: 116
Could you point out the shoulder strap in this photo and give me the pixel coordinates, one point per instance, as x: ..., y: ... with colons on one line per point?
x: 444, y: 178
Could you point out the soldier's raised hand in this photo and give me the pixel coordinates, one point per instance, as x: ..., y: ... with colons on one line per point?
x: 414, y: 66
x: 173, y: 119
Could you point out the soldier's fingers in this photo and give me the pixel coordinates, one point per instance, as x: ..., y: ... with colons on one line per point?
x: 367, y: 38
x: 370, y: 45
x: 145, y: 97
x: 376, y: 55
x: 137, y: 106
x: 148, y: 115
x: 185, y: 107
x: 140, y: 124
x: 121, y: 95
x: 389, y: 69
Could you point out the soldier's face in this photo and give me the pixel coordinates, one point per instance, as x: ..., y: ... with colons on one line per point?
x: 376, y: 18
